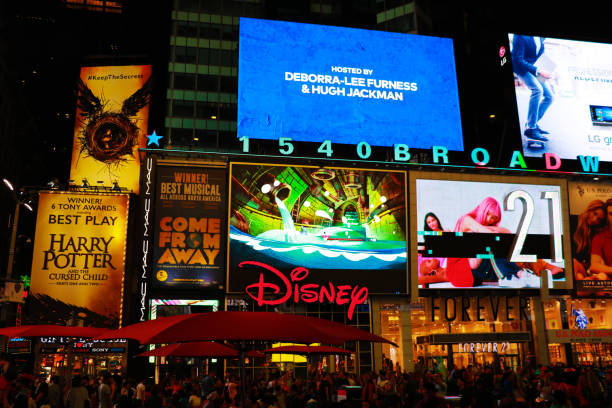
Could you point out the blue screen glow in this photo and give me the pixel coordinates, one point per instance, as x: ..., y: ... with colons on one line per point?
x: 313, y: 83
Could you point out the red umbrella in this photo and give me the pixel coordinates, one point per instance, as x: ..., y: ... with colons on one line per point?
x: 308, y: 350
x: 197, y: 349
x: 45, y: 330
x: 241, y: 326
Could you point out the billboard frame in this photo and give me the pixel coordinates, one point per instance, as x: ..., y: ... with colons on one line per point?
x: 406, y: 226
x: 480, y: 178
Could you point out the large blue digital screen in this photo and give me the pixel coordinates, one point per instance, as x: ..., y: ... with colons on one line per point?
x: 313, y: 83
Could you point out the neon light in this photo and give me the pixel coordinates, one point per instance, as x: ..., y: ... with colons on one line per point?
x: 517, y: 158
x: 589, y: 162
x: 440, y: 151
x: 485, y: 156
x: 307, y: 293
x: 400, y: 152
x: 549, y: 164
x: 144, y: 277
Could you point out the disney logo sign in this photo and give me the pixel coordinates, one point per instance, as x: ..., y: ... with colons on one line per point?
x: 291, y: 288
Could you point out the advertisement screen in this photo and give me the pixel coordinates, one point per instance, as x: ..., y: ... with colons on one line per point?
x: 190, y: 214
x: 79, y: 259
x: 111, y: 125
x: 563, y: 95
x: 313, y: 83
x: 334, y: 228
x: 175, y: 307
x: 591, y: 227
x: 488, y: 234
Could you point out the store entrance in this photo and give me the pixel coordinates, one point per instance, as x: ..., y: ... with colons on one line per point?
x: 483, y: 359
x: 502, y: 350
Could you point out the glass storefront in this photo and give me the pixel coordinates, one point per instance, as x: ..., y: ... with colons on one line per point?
x: 67, y: 358
x: 579, y: 331
x: 360, y: 361
x: 391, y: 329
x: 429, y: 352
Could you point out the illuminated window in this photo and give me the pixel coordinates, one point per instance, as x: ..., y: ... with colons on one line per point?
x: 103, y: 6
x: 391, y: 329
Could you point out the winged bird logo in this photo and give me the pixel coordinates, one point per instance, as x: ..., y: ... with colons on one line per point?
x: 109, y: 136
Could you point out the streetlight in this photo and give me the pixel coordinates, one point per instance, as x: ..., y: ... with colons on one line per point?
x: 8, y: 184
x: 21, y: 198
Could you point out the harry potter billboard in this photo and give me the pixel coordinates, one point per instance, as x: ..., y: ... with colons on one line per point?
x: 79, y: 258
x: 111, y: 124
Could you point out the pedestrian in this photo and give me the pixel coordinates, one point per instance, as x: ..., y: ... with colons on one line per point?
x: 431, y: 399
x: 104, y: 392
x: 140, y: 393
x: 54, y: 395
x: 77, y: 396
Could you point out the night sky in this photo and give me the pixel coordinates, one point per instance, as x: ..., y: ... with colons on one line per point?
x: 43, y: 44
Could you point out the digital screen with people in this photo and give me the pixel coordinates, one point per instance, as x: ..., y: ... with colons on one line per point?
x: 563, y: 96
x: 591, y: 229
x: 475, y: 234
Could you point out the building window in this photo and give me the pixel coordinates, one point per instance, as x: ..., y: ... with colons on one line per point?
x: 228, y: 58
x: 227, y: 111
x: 182, y: 108
x: 184, y: 81
x: 208, y: 83
x: 210, y: 31
x: 229, y: 84
x: 187, y: 5
x: 182, y: 137
x: 206, y: 110
x: 206, y: 137
x: 186, y: 29
x: 203, y: 56
x: 229, y: 33
x: 185, y: 54
x: 213, y: 57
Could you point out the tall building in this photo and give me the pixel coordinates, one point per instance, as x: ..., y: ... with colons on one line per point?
x: 203, y: 62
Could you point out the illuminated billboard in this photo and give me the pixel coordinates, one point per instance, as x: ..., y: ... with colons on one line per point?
x: 175, y: 307
x: 591, y: 225
x: 314, y: 83
x: 190, y: 211
x: 79, y: 259
x: 564, y: 97
x: 313, y: 233
x: 488, y: 232
x: 111, y: 125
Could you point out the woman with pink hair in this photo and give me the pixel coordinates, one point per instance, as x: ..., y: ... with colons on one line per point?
x: 467, y: 272
x: 484, y: 218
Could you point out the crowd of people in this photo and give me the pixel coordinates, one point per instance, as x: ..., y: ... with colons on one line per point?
x: 472, y: 386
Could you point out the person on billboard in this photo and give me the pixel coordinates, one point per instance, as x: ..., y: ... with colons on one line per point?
x: 590, y: 222
x: 432, y: 223
x: 601, y: 249
x: 526, y: 50
x: 431, y: 270
x: 466, y: 272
